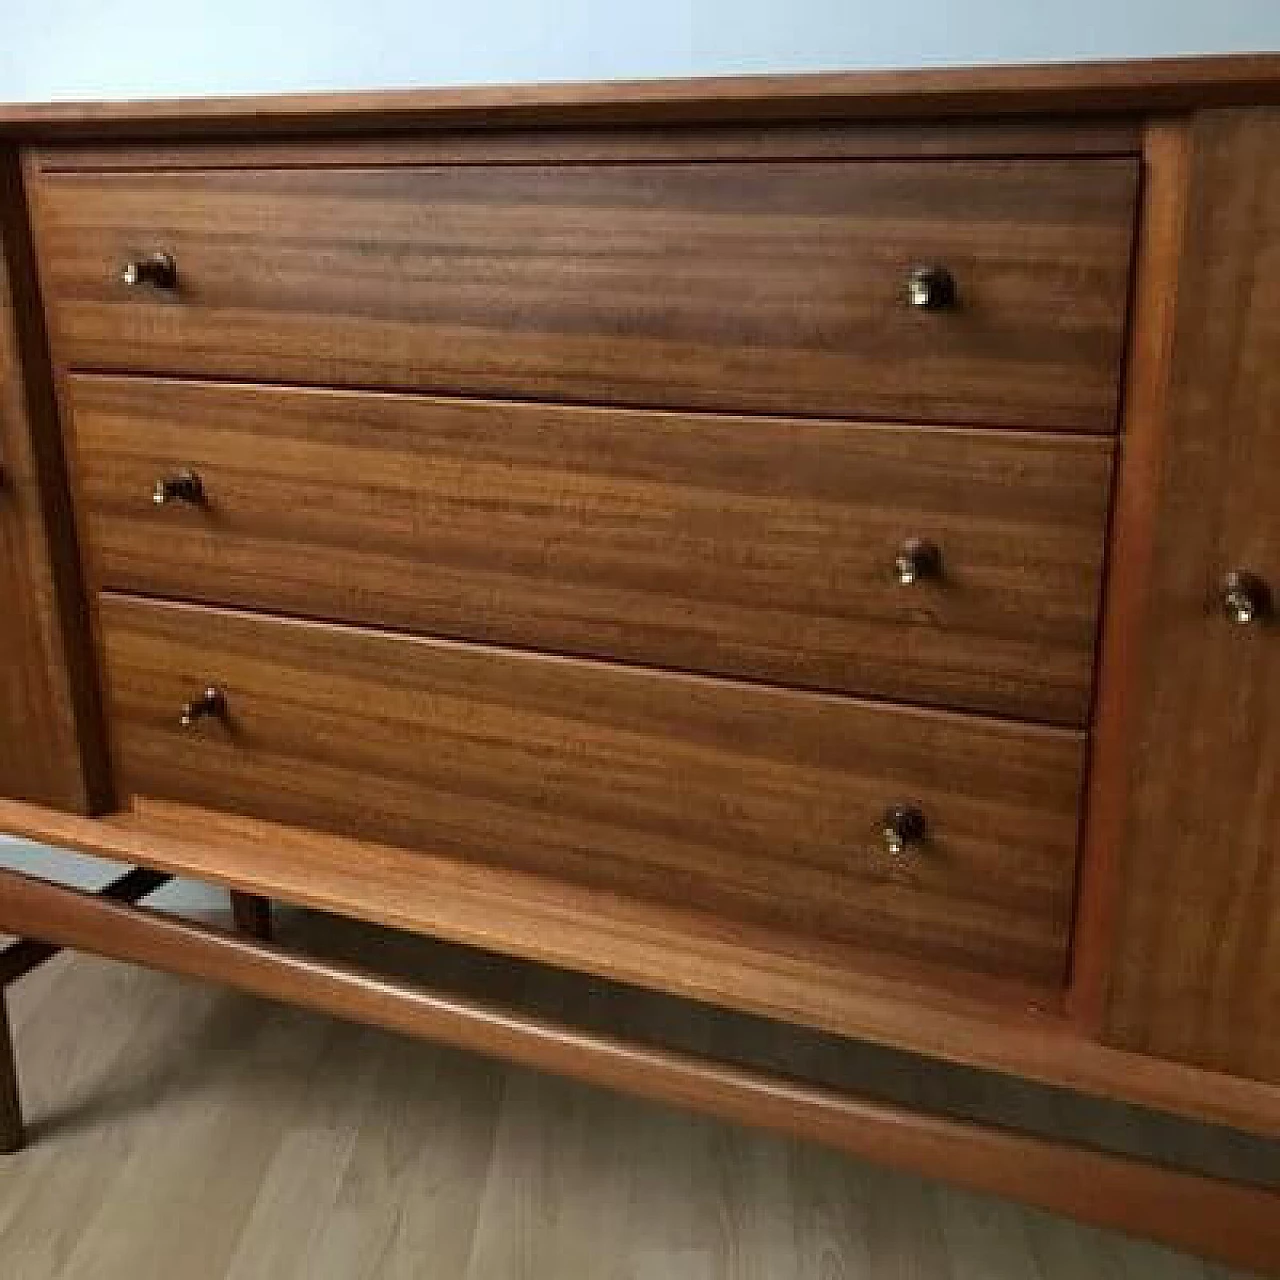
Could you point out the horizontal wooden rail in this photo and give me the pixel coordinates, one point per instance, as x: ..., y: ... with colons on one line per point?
x: 569, y: 926
x: 1236, y: 1223
x: 19, y: 958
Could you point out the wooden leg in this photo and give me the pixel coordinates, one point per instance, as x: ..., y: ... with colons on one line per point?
x: 11, y: 1133
x: 252, y: 915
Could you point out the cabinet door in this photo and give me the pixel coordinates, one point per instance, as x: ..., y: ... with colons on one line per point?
x: 48, y: 744
x: 1197, y: 973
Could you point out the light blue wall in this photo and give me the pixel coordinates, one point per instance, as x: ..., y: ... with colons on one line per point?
x: 93, y: 873
x: 158, y: 48
x: 148, y: 48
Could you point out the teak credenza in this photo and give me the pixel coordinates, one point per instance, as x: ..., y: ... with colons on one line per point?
x: 805, y: 545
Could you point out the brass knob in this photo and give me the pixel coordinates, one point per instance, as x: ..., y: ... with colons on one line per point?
x: 183, y: 486
x: 1246, y: 598
x: 931, y: 288
x: 211, y: 704
x: 903, y: 826
x: 917, y: 559
x: 155, y: 270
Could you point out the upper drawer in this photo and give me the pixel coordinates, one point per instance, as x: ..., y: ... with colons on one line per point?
x: 762, y: 547
x: 771, y: 286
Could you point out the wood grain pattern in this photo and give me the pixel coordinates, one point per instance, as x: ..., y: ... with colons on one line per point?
x: 1124, y: 645
x: 1198, y: 971
x: 752, y: 547
x: 1080, y: 88
x: 50, y: 735
x: 695, y: 832
x: 1233, y: 1221
x: 794, y: 980
x: 769, y: 287
x: 750, y: 803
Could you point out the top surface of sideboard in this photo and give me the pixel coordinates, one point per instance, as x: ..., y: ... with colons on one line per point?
x: 1075, y: 88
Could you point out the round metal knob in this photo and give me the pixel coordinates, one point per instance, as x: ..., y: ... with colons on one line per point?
x: 917, y: 559
x: 1246, y: 598
x: 211, y: 704
x: 156, y: 271
x: 903, y: 826
x: 931, y: 288
x: 183, y: 486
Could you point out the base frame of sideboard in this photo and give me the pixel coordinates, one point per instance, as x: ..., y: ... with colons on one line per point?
x: 252, y: 915
x: 1234, y: 1222
x: 565, y: 925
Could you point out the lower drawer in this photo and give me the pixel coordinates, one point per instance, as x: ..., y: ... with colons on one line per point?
x: 753, y: 804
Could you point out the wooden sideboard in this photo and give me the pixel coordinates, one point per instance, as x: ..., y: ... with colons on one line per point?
x: 805, y: 545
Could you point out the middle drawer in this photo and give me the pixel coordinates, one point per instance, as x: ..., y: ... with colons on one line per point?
x: 764, y: 548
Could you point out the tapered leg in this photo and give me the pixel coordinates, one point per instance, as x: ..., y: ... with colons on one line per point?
x: 252, y: 915
x: 11, y: 1134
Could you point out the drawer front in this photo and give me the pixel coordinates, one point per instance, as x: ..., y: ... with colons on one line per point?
x: 748, y: 802
x: 741, y: 546
x: 774, y: 287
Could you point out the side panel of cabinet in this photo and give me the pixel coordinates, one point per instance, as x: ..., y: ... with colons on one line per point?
x: 1196, y: 970
x: 50, y: 737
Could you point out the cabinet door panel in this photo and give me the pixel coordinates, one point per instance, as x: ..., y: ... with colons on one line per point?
x: 1198, y: 963
x: 48, y: 750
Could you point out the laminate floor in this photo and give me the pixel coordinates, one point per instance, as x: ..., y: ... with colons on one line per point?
x: 183, y: 1132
